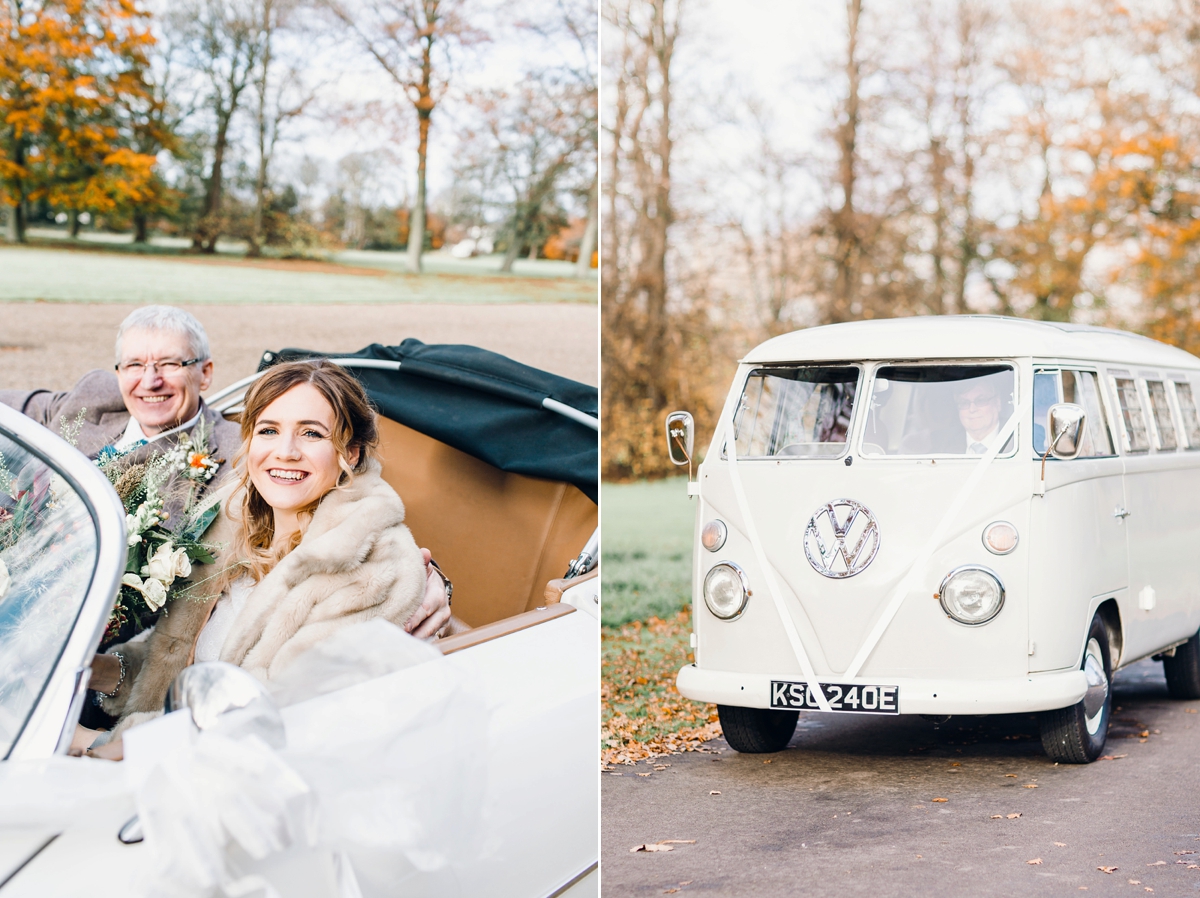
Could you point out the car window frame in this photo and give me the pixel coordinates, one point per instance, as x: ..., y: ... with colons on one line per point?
x: 50, y: 724
x: 1175, y: 378
x: 1125, y: 441
x: 1058, y: 368
x: 861, y: 417
x: 851, y: 430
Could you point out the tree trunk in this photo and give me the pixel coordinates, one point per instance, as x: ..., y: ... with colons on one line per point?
x: 583, y: 265
x: 140, y: 227
x: 652, y: 272
x: 73, y: 223
x: 511, y: 253
x: 210, y: 228
x: 847, y: 251
x: 16, y: 222
x: 416, y: 224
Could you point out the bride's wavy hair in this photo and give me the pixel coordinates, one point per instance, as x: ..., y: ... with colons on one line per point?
x: 354, y: 428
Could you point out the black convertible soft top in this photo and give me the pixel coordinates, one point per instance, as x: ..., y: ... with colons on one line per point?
x: 481, y: 403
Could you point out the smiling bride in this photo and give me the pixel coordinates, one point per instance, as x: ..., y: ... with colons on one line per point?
x: 310, y: 540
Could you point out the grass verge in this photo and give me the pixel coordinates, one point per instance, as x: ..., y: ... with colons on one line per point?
x: 646, y: 617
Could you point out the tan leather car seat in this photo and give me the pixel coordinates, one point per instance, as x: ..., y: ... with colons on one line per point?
x: 500, y: 537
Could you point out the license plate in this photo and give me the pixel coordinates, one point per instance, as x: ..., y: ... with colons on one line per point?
x: 858, y: 698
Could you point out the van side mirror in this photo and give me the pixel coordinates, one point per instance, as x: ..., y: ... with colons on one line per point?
x: 1065, y: 424
x: 680, y: 438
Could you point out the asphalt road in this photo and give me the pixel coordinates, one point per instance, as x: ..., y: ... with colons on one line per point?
x: 849, y: 809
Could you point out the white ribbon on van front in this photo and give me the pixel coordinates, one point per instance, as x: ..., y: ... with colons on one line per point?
x: 917, y: 569
x: 789, y: 626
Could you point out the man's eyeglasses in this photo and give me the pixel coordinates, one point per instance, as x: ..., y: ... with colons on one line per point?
x: 135, y: 368
x: 964, y: 404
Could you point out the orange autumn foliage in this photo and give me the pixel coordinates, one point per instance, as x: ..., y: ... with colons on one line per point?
x: 69, y: 72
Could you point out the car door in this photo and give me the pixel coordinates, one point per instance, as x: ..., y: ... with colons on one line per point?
x: 62, y: 553
x: 1161, y: 480
x: 1081, y: 545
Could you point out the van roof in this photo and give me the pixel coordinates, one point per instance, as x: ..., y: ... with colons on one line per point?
x: 968, y: 336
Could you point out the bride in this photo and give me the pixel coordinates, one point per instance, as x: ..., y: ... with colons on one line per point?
x: 310, y: 539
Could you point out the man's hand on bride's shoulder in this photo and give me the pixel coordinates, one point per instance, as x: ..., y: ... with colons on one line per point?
x: 434, y: 610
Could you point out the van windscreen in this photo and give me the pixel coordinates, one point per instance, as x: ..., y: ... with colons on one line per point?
x: 938, y: 409
x: 804, y: 412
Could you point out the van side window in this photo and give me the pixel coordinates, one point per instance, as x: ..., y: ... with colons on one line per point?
x: 1133, y: 419
x: 1080, y: 388
x: 795, y: 412
x: 1187, y: 410
x: 1161, y: 407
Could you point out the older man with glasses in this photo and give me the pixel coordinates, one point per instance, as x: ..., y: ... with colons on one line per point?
x: 162, y: 367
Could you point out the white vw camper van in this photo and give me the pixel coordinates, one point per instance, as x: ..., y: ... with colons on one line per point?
x: 940, y: 516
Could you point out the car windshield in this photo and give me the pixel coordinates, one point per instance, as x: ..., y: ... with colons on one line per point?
x: 795, y: 412
x: 47, y: 555
x: 938, y: 409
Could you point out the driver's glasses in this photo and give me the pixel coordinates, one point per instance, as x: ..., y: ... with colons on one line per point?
x: 135, y: 368
x: 965, y: 404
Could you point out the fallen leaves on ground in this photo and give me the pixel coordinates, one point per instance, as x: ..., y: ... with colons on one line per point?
x: 1108, y: 869
x: 1190, y: 711
x: 1186, y: 851
x: 1031, y: 785
x: 714, y: 792
x: 643, y: 714
x: 1011, y: 775
x: 1013, y: 816
x: 1112, y: 757
x: 1036, y: 861
x: 1061, y: 844
x: 1157, y: 864
x: 1135, y: 882
x: 997, y: 816
x: 941, y: 799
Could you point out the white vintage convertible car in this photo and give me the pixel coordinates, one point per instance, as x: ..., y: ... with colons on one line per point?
x: 462, y: 769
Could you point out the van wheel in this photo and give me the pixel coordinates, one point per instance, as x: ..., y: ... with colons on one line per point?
x: 757, y: 730
x: 1076, y: 735
x: 1183, y: 670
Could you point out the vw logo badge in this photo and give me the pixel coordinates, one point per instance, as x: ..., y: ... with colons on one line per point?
x: 841, y: 539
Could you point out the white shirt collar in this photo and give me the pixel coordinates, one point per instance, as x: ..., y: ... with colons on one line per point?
x: 987, y: 440
x: 134, y: 434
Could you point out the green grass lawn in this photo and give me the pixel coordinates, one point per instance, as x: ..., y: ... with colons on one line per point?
x: 647, y: 550
x: 99, y: 273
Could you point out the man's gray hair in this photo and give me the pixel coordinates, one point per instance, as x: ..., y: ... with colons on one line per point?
x: 171, y: 320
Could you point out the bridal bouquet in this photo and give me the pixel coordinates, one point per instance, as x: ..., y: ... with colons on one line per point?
x: 165, y: 523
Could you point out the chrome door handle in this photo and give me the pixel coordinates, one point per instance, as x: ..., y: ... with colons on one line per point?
x: 1120, y: 512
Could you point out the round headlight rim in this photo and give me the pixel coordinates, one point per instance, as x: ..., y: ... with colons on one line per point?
x: 742, y: 578
x: 972, y: 567
x: 1016, y: 534
x: 724, y: 531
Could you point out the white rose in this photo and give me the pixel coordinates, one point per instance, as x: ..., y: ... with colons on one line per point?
x: 132, y: 580
x: 181, y: 564
x: 161, y: 565
x: 5, y: 580
x: 154, y: 592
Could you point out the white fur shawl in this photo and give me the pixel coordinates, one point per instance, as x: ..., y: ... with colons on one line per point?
x: 357, y: 561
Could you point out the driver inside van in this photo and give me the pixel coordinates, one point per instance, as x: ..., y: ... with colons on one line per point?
x: 978, y: 406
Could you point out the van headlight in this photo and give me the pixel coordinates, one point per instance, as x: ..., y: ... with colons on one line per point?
x: 972, y: 594
x: 726, y: 590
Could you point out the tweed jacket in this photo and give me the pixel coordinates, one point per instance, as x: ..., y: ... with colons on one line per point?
x: 98, y: 397
x: 357, y: 561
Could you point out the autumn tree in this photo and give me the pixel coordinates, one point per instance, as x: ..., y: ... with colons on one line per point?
x: 223, y: 42
x: 415, y: 43
x: 68, y: 68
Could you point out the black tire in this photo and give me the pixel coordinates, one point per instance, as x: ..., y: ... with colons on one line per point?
x: 757, y: 730
x: 1066, y: 734
x: 1183, y: 670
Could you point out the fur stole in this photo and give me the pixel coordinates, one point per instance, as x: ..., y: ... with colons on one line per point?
x: 356, y: 562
